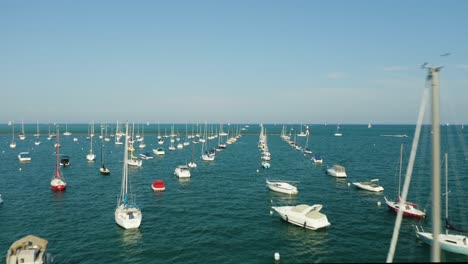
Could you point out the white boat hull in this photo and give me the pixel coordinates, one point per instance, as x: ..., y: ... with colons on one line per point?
x: 128, y: 218
x: 314, y: 221
x: 282, y: 187
x: 368, y: 187
x: 448, y: 242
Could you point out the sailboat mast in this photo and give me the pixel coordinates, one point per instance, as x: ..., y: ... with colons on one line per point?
x: 434, y: 75
x: 57, y: 147
x: 446, y: 188
x: 125, y: 165
x: 399, y: 178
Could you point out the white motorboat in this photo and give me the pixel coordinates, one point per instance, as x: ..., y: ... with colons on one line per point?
x: 24, y: 156
x: 159, y: 152
x: 29, y: 250
x: 337, y: 171
x: 266, y: 164
x: 317, y: 159
x: 182, y: 171
x: 192, y: 164
x: 371, y: 186
x: 303, y: 215
x: 146, y: 156
x: 282, y: 187
x: 127, y: 214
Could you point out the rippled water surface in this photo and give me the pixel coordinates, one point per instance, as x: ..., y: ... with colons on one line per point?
x: 222, y: 213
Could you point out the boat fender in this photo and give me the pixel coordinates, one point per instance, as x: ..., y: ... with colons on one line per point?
x: 305, y: 224
x: 286, y: 218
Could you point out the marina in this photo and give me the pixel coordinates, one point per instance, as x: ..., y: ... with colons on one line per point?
x: 222, y: 200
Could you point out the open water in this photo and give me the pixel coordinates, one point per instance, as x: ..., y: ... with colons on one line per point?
x: 222, y: 214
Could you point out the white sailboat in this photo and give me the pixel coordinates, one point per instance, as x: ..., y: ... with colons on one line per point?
x: 13, y: 142
x: 91, y: 156
x: 127, y: 214
x: 338, y: 133
x: 206, y: 154
x: 37, y: 142
x: 306, y: 148
x: 66, y: 133
x: 450, y: 241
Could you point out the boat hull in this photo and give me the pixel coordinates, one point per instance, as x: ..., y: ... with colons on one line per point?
x: 368, y: 187
x: 58, y: 185
x: 408, y: 209
x: 289, y: 215
x: 282, y: 187
x: 448, y: 242
x: 128, y: 218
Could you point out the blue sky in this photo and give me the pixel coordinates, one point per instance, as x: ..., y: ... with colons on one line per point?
x: 230, y: 61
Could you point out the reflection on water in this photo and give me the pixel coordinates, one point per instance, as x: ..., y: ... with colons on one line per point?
x: 130, y: 237
x: 184, y: 181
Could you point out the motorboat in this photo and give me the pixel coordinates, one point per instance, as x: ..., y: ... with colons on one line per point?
x: 371, y: 186
x: 65, y: 161
x: 182, y: 171
x: 303, y: 215
x: 337, y: 171
x: 282, y: 187
x: 29, y: 250
x: 159, y: 152
x: 146, y: 155
x: 266, y: 164
x: 158, y: 186
x: 317, y: 159
x: 192, y: 164
x: 24, y: 156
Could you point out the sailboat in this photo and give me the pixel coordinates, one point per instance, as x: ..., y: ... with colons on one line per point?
x: 66, y: 133
x: 127, y: 214
x: 142, y: 138
x: 409, y: 209
x: 192, y: 163
x: 206, y: 154
x: 456, y: 243
x: 306, y: 147
x: 13, y: 142
x: 37, y: 142
x: 58, y: 182
x: 338, y: 133
x: 103, y: 168
x: 448, y: 242
x: 22, y: 135
x: 91, y: 156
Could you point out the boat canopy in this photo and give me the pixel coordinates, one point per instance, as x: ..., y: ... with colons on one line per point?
x: 29, y: 240
x: 338, y: 168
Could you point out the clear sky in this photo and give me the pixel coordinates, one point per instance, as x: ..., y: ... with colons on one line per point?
x: 242, y: 61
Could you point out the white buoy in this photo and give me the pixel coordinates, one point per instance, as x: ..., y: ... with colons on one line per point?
x: 20, y: 169
x: 271, y: 212
x: 277, y: 256
x: 349, y: 184
x: 379, y: 203
x: 258, y: 170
